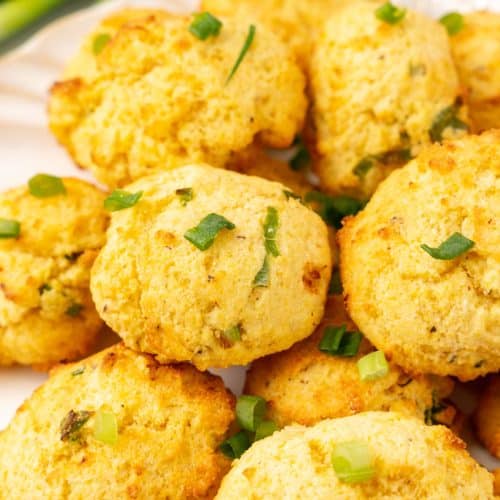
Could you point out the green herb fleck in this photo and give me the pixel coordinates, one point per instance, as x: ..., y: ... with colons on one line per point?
x: 271, y: 225
x: 453, y: 22
x: 100, y: 41
x: 119, y: 200
x: 244, y: 50
x: 203, y: 235
x: 72, y: 423
x: 352, y: 462
x: 373, y: 366
x: 453, y: 247
x: 232, y: 334
x: 45, y: 186
x: 78, y: 371
x: 205, y: 25
x: 335, y: 287
x: 236, y: 445
x: 332, y: 209
x: 250, y: 411
x: 336, y: 341
x: 262, y: 277
x: 74, y: 310
x: 9, y: 228
x: 44, y: 288
x: 364, y: 166
x: 390, y: 13
x: 264, y: 429
x: 185, y: 195
x: 447, y: 117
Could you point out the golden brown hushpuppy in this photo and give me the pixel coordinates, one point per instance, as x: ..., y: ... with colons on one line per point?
x: 212, y: 267
x: 487, y: 416
x: 46, y: 311
x: 118, y: 425
x: 304, y: 385
x: 432, y: 309
x: 156, y: 96
x: 405, y: 458
x: 476, y: 51
x: 380, y: 92
x: 496, y: 484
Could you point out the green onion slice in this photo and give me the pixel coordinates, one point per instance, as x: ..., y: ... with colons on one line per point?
x: 447, y: 117
x: 106, y: 427
x: 336, y: 341
x: 390, y: 14
x: 270, y: 229
x: 264, y: 429
x: 335, y: 287
x: 99, y: 42
x: 352, y: 462
x: 236, y: 445
x: 203, y: 235
x: 72, y: 423
x: 250, y: 411
x: 45, y: 186
x: 244, y: 50
x: 363, y: 166
x: 373, y: 366
x: 233, y: 334
x: 453, y: 22
x: 262, y: 277
x: 9, y: 228
x: 74, y: 310
x: 119, y: 200
x: 332, y: 209
x: 456, y: 245
x: 185, y: 195
x: 78, y: 371
x: 204, y: 25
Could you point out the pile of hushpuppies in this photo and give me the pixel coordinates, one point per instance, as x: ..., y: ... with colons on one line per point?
x: 356, y: 300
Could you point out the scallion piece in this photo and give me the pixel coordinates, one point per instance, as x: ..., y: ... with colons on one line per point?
x: 456, y: 245
x: 233, y: 334
x: 332, y: 209
x: 9, y: 228
x: 72, y: 423
x: 119, y: 200
x: 264, y: 429
x: 74, y: 310
x: 453, y: 22
x: 271, y: 224
x: 447, y: 117
x: 390, y: 14
x: 244, y: 50
x: 250, y: 411
x: 262, y: 277
x: 185, y: 195
x: 336, y: 341
x: 203, y: 235
x: 363, y: 166
x: 45, y: 186
x: 205, y: 25
x: 236, y: 445
x: 373, y: 366
x: 99, y: 42
x: 352, y: 462
x: 78, y: 371
x: 106, y: 427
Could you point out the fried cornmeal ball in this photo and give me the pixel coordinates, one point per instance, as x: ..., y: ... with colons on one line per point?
x: 433, y: 310
x: 118, y: 425
x: 398, y: 456
x: 488, y: 416
x: 155, y: 96
x: 496, y: 484
x: 380, y: 92
x: 304, y: 385
x: 212, y: 267
x: 476, y: 51
x: 46, y: 311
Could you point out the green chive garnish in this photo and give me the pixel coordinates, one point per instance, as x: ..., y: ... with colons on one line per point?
x: 337, y: 342
x: 119, y: 200
x: 203, y: 235
x: 270, y: 229
x: 74, y: 310
x: 236, y: 445
x: 453, y: 22
x: 244, y: 50
x: 72, y: 423
x: 100, y: 41
x: 352, y: 462
x: 45, y: 186
x: 373, y: 366
x: 232, y: 334
x: 106, y: 427
x: 444, y: 119
x: 335, y: 287
x: 9, y: 228
x: 262, y: 277
x: 185, y: 195
x: 363, y: 166
x: 205, y: 25
x: 78, y: 371
x: 332, y: 209
x: 390, y: 14
x: 250, y: 411
x: 264, y: 429
x: 456, y: 245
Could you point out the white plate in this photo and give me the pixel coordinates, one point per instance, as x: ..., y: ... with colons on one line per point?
x: 27, y: 147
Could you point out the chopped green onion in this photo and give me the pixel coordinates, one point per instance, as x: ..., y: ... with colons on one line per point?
x: 352, y: 462
x: 236, y: 445
x: 72, y: 423
x: 302, y: 157
x: 456, y: 245
x: 264, y: 429
x: 290, y: 194
x: 45, y: 186
x: 332, y: 209
x: 390, y: 13
x: 232, y: 334
x: 44, y: 288
x: 9, y: 228
x: 337, y: 342
x: 106, y: 427
x: 78, y: 371
x: 363, y: 166
x: 262, y: 277
x: 185, y: 195
x: 453, y: 22
x: 447, y: 117
x: 244, y: 50
x: 203, y: 235
x: 205, y: 25
x: 335, y: 287
x: 270, y: 229
x: 100, y: 41
x: 119, y: 200
x: 250, y: 411
x: 74, y: 310
x: 373, y: 366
